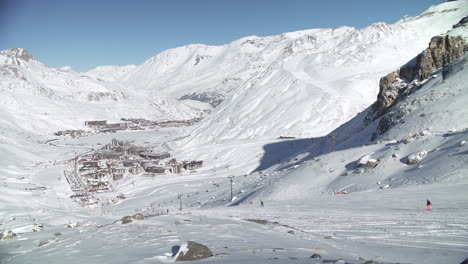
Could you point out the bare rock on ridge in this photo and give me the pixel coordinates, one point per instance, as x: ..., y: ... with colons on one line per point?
x: 193, y: 251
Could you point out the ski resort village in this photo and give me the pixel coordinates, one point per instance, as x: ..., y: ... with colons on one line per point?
x: 330, y: 145
x: 97, y: 170
x: 102, y: 126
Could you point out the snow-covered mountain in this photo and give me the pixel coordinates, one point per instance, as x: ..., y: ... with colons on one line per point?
x: 299, y: 84
x: 407, y: 144
x: 43, y: 100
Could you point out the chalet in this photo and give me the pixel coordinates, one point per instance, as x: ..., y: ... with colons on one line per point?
x: 136, y: 170
x: 156, y: 170
x: 174, y: 166
x: 193, y: 165
x: 133, y: 150
x: 175, y: 169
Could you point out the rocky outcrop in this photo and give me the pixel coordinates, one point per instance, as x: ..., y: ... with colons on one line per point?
x: 126, y: 219
x: 17, y: 53
x: 42, y: 243
x: 462, y: 22
x: 442, y: 55
x: 7, y: 235
x: 138, y: 216
x: 193, y: 251
x: 442, y: 51
x: 213, y: 98
x: 416, y: 157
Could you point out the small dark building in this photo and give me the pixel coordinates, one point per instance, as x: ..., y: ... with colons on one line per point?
x: 193, y: 165
x: 157, y: 170
x: 129, y: 163
x: 95, y: 123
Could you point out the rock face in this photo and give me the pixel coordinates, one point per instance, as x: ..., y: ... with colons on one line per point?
x: 42, y: 243
x: 462, y: 22
x: 17, y: 53
x: 442, y: 51
x: 193, y: 251
x: 416, y: 158
x: 441, y: 55
x: 126, y: 219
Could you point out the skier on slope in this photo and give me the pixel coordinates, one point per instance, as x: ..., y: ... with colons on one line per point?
x: 428, y: 205
x: 261, y: 203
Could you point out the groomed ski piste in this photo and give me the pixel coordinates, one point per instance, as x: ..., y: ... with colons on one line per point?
x: 318, y: 197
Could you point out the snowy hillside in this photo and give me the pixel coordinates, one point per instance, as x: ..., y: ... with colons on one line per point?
x: 43, y: 100
x: 300, y: 84
x: 332, y: 140
x: 110, y: 73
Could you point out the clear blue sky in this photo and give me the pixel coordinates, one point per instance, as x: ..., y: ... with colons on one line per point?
x: 88, y: 33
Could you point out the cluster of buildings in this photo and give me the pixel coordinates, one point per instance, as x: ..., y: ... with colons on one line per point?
x: 73, y: 133
x: 140, y: 122
x: 119, y: 158
x: 98, y: 127
x: 102, y: 126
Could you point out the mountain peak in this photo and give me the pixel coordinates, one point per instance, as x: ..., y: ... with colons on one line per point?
x: 17, y: 53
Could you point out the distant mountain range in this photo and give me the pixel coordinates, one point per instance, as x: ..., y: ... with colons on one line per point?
x: 299, y: 84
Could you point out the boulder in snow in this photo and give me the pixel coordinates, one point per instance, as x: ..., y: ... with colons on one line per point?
x: 126, y: 219
x: 73, y: 225
x: 363, y: 161
x: 138, y: 216
x: 416, y: 157
x: 408, y: 140
x: 42, y: 243
x: 38, y: 228
x: 7, y: 235
x: 191, y: 251
x: 372, y: 163
x: 462, y: 143
x: 424, y: 133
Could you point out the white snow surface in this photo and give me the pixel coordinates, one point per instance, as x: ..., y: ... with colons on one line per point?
x: 309, y: 85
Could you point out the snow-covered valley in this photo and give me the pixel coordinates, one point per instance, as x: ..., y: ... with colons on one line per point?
x: 289, y: 117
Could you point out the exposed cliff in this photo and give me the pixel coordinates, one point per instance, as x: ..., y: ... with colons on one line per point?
x: 441, y: 52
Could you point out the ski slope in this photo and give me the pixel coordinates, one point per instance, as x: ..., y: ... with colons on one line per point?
x: 315, y: 85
